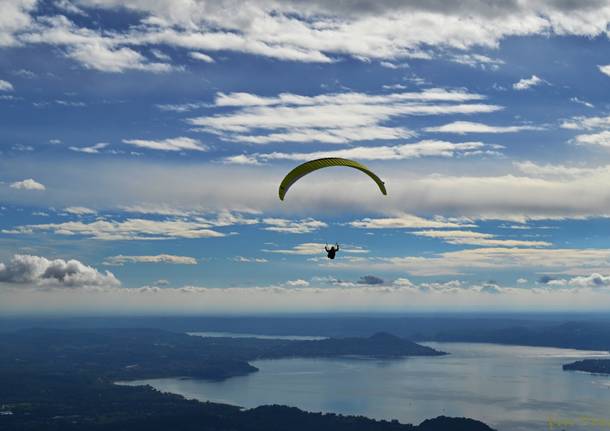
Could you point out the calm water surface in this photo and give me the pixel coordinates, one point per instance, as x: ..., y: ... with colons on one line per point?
x: 509, y: 387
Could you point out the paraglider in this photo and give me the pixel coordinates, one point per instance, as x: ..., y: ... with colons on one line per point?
x: 313, y: 165
x: 330, y: 252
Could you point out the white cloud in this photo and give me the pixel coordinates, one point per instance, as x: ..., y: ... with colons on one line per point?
x: 315, y: 248
x: 307, y: 225
x: 68, y: 6
x: 29, y: 184
x: 241, y: 159
x: 587, y: 123
x: 128, y: 229
x: 170, y: 144
x: 570, y: 261
x: 466, y: 237
x: 91, y: 48
x: 242, y: 259
x: 182, y: 107
x: 426, y: 148
x: 201, y: 57
x: 548, y: 170
x: 582, y: 102
x: 602, y: 139
x: 478, y: 60
x: 526, y: 83
x: 80, y: 211
x: 407, y: 221
x: 297, y: 283
x: 316, y: 31
x: 593, y: 280
x: 94, y: 149
x: 605, y: 69
x: 5, y: 86
x: 26, y: 269
x: 100, y: 57
x: 463, y: 127
x: 160, y: 55
x: 15, y: 17
x: 330, y: 118
x: 160, y: 258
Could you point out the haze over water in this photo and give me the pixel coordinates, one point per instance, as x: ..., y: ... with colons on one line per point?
x: 511, y: 388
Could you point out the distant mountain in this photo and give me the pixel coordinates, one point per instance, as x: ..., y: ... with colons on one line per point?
x: 580, y: 331
x: 596, y: 366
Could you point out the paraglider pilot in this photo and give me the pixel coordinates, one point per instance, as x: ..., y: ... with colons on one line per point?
x: 331, y: 251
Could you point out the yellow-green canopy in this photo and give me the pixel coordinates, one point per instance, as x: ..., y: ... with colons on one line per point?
x: 313, y: 165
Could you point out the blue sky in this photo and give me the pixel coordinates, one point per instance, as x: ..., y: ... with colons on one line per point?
x: 142, y: 144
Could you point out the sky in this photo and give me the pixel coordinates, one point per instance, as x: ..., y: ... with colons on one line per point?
x: 142, y: 144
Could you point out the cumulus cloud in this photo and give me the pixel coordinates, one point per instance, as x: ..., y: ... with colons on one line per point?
x: 463, y: 127
x: 593, y: 280
x: 170, y: 144
x: 36, y: 270
x: 160, y: 258
x: 527, y: 83
x: 29, y: 184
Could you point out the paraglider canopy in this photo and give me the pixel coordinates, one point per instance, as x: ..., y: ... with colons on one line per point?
x: 313, y: 165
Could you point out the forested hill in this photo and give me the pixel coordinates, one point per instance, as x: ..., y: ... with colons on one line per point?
x: 148, y: 353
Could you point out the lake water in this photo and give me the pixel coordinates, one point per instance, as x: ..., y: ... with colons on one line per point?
x: 511, y: 388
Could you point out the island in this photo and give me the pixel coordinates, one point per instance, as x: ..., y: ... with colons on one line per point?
x: 594, y: 366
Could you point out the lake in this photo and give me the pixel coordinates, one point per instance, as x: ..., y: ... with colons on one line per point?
x: 511, y: 388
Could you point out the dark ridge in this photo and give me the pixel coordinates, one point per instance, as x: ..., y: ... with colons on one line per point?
x: 595, y: 366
